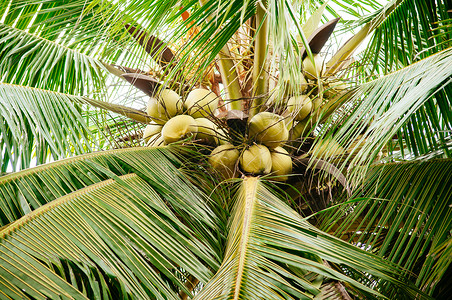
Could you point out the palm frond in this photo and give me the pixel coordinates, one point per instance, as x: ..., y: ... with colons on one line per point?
x: 395, y: 45
x: 381, y: 108
x: 414, y: 30
x: 113, y: 239
x: 404, y: 215
x: 42, y: 125
x: 27, y: 190
x: 272, y: 253
x: 37, y: 124
x: 26, y: 59
x: 63, y: 43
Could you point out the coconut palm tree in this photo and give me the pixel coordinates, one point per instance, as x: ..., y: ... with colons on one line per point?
x: 316, y: 172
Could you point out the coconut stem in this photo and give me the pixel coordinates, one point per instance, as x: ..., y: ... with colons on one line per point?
x: 260, y: 72
x: 230, y: 78
x: 229, y: 75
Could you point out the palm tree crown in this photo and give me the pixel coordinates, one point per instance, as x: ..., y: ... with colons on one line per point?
x: 225, y: 149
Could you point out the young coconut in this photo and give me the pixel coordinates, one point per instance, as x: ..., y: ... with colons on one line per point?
x: 311, y: 71
x: 269, y: 129
x: 207, y: 131
x: 256, y: 160
x: 298, y: 86
x: 166, y: 105
x: 328, y: 148
x: 151, y: 130
x: 223, y: 159
x: 299, y: 106
x: 222, y: 136
x: 281, y: 164
x: 178, y: 128
x: 156, y: 112
x: 331, y: 89
x: 316, y: 103
x: 201, y: 103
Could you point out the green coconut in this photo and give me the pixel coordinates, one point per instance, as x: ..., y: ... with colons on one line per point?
x: 222, y: 136
x: 171, y: 101
x: 156, y: 112
x: 269, y: 129
x: 207, y: 131
x: 299, y: 106
x: 256, y: 160
x: 179, y: 128
x: 333, y: 88
x: 151, y: 130
x: 298, y: 85
x: 224, y: 159
x: 281, y: 164
x: 201, y: 103
x: 328, y: 148
x: 316, y: 103
x: 167, y: 104
x: 311, y: 71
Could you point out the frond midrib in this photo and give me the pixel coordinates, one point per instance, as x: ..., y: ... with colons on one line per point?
x: 6, y: 230
x: 51, y: 165
x: 250, y: 186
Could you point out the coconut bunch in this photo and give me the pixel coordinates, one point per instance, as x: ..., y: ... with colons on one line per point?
x: 175, y: 119
x: 312, y: 96
x: 256, y: 144
x: 261, y: 149
x: 296, y: 100
x: 262, y: 153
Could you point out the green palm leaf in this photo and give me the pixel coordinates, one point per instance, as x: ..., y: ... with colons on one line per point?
x: 25, y: 191
x: 114, y: 239
x: 272, y: 253
x: 46, y: 125
x: 382, y: 107
x: 395, y: 44
x: 404, y: 215
x: 37, y: 124
x: 26, y: 59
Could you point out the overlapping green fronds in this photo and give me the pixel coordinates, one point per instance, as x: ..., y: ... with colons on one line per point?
x: 355, y: 8
x: 63, y: 45
x: 404, y: 215
x: 26, y: 59
x: 383, y: 108
x: 39, y: 125
x: 72, y: 24
x: 116, y: 239
x: 414, y: 30
x: 272, y: 253
x: 25, y: 191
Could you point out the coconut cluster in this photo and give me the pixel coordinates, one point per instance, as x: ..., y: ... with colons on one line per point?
x: 257, y: 159
x: 306, y: 96
x: 175, y: 119
x: 256, y: 144
x: 263, y: 153
x: 269, y: 133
